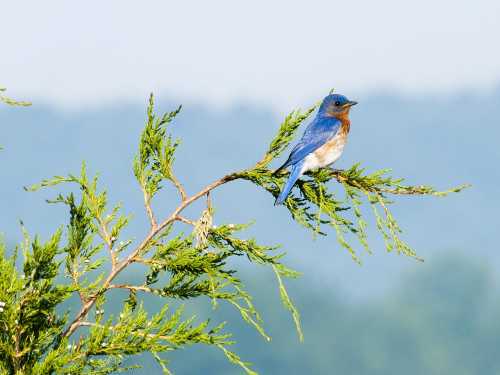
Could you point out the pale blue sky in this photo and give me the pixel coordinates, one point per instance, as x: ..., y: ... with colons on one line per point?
x: 281, y: 53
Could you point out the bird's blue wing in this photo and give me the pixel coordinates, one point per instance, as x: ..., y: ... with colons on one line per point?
x: 317, y: 133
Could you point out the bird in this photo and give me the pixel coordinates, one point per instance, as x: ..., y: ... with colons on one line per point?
x: 321, y: 144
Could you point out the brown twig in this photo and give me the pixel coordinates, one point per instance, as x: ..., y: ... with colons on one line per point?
x: 179, y: 186
x: 130, y: 287
x: 185, y: 220
x: 107, y: 239
x: 74, y: 277
x: 149, y: 210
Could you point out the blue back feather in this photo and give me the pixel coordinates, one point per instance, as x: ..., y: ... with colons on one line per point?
x: 317, y: 133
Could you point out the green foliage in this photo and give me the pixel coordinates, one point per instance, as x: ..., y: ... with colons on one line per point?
x: 153, y: 164
x: 285, y: 134
x: 313, y: 205
x: 177, y: 266
x: 28, y: 316
x: 9, y: 101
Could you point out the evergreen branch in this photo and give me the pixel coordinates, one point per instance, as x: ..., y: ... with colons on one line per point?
x: 285, y: 135
x: 317, y: 206
x: 9, y: 101
x: 131, y: 287
x: 377, y: 182
x: 278, y: 271
x: 156, y: 333
x: 194, y: 265
x: 236, y: 360
x: 143, y: 245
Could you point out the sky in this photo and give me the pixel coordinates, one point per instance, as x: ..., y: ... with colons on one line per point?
x: 281, y: 54
x: 237, y: 67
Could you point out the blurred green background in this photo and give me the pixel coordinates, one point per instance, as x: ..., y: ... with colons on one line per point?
x: 439, y: 320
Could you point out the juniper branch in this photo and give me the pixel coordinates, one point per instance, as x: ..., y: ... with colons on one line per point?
x: 9, y: 101
x: 137, y: 251
x: 196, y: 263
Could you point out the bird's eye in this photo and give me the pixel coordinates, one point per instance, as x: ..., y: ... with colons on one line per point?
x: 337, y: 103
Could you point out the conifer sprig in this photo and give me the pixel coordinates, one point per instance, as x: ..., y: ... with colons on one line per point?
x: 9, y: 101
x: 316, y: 205
x: 177, y: 265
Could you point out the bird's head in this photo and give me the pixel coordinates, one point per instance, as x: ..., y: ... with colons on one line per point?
x: 335, y: 105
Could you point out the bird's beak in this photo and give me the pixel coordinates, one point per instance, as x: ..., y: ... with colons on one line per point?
x: 350, y: 103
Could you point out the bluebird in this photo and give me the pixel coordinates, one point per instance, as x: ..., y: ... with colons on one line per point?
x: 322, y: 142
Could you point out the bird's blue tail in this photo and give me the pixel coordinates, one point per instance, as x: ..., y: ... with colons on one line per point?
x: 294, y: 176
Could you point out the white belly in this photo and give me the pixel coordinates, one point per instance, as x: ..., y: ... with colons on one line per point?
x: 326, y: 155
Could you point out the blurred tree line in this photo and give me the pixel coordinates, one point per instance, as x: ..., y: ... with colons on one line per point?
x: 441, y: 319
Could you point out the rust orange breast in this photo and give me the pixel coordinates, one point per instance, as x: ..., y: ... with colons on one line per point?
x: 346, y: 124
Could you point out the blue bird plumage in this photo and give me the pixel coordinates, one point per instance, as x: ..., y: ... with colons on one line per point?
x: 322, y: 142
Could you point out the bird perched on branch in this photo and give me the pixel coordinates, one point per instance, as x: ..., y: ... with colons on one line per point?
x: 322, y: 143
